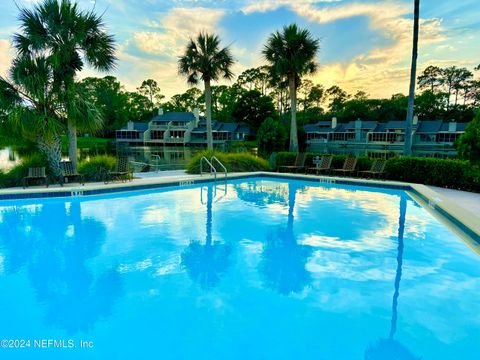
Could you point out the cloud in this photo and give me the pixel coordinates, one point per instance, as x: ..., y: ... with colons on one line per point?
x: 175, y: 29
x: 154, y: 53
x: 381, y: 70
x: 6, y: 56
x: 271, y: 5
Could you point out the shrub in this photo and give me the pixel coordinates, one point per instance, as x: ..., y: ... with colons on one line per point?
x: 288, y: 158
x: 95, y: 167
x: 468, y: 145
x: 234, y: 162
x: 471, y: 179
x: 15, y: 176
x: 451, y: 173
x: 430, y: 171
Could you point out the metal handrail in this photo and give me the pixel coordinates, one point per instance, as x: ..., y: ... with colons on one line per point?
x: 219, y: 162
x: 212, y: 168
x: 156, y: 157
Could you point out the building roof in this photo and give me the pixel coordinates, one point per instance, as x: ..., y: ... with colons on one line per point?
x: 244, y: 128
x: 429, y: 126
x: 364, y: 125
x: 459, y: 128
x: 137, y: 126
x: 175, y: 116
x: 324, y: 124
x: 316, y: 128
x: 230, y: 127
x: 220, y: 126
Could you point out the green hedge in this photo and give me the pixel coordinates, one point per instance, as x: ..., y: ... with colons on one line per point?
x: 234, y: 162
x: 451, y: 173
x: 95, y: 167
x: 287, y: 158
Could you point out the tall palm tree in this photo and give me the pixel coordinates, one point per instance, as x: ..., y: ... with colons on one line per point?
x: 407, y: 151
x: 291, y: 54
x: 70, y: 38
x: 33, y: 110
x: 205, y: 60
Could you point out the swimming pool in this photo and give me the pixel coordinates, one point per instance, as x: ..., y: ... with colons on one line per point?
x: 256, y: 269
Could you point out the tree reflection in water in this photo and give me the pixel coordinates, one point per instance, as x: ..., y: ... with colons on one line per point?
x: 205, y: 264
x: 53, y: 243
x: 283, y: 260
x: 391, y: 349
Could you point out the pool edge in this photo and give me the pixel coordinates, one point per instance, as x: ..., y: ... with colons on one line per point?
x: 464, y: 220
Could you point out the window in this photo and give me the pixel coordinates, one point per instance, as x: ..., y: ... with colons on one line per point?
x: 156, y: 134
x: 384, y: 137
x: 317, y: 136
x: 427, y: 137
x: 343, y: 136
x: 128, y: 134
x: 447, y: 137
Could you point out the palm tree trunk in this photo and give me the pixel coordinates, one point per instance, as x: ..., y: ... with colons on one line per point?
x: 51, y: 149
x: 208, y: 105
x: 293, y: 109
x: 72, y: 142
x: 407, y: 151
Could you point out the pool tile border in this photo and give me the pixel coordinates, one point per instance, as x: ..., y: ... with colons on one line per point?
x: 419, y: 190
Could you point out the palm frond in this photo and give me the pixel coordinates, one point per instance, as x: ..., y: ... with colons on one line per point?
x: 291, y: 51
x: 203, y: 59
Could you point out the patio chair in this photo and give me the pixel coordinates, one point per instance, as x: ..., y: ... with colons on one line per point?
x: 35, y: 173
x: 298, y: 165
x: 377, y: 169
x: 348, y: 166
x: 323, y: 164
x: 69, y: 173
x: 121, y: 172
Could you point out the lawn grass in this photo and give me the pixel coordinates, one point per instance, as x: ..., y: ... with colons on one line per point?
x: 87, y: 142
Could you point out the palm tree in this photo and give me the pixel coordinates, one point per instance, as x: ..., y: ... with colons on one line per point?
x: 32, y: 108
x: 70, y: 38
x: 203, y: 59
x: 291, y: 54
x: 413, y: 73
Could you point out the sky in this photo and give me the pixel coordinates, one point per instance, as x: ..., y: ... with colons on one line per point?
x: 364, y: 45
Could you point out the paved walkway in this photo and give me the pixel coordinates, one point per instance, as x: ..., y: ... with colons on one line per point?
x: 468, y: 201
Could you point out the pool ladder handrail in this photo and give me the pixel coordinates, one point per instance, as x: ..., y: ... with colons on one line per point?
x: 214, y: 158
x: 213, y: 169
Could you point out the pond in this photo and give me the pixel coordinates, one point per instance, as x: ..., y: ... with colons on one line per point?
x: 162, y: 157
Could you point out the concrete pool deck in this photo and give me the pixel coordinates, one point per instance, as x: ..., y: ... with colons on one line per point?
x: 455, y: 206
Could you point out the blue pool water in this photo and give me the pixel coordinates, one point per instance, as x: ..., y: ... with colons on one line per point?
x: 259, y: 269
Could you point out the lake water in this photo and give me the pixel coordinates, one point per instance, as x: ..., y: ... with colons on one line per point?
x: 140, y: 156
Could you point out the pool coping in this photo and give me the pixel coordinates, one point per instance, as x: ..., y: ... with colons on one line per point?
x: 464, y: 220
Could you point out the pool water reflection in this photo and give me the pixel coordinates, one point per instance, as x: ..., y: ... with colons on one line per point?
x: 265, y: 269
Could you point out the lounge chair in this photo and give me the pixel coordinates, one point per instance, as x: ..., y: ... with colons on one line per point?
x: 35, y: 173
x: 377, y: 169
x: 68, y: 173
x: 122, y: 171
x: 348, y: 166
x: 298, y: 165
x: 323, y: 164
